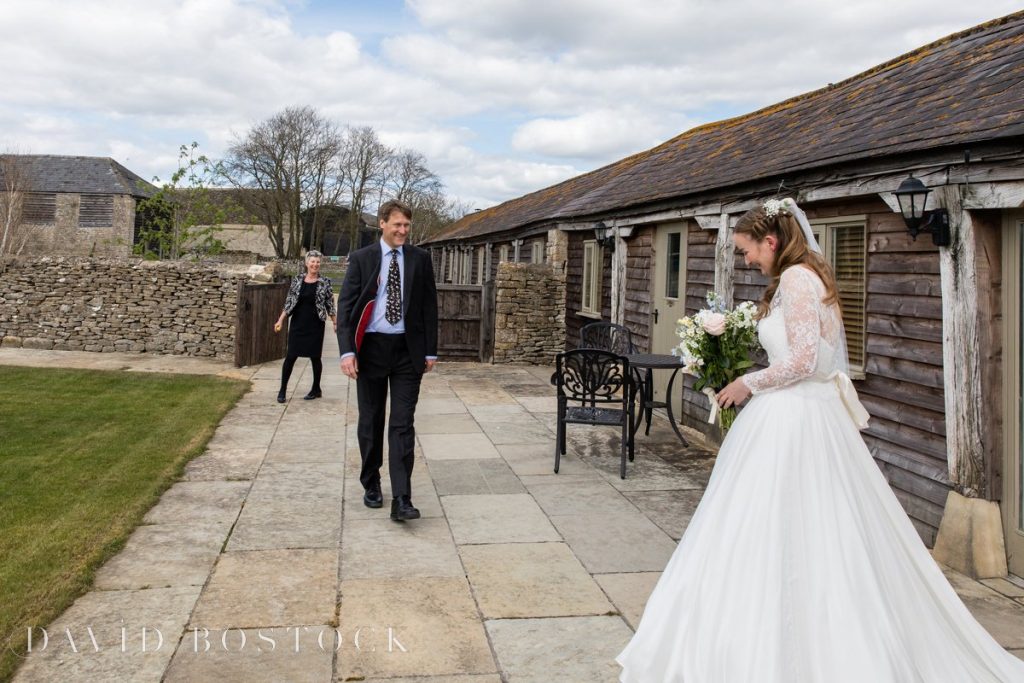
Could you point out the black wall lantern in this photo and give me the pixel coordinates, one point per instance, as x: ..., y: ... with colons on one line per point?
x: 605, y: 236
x: 911, y: 196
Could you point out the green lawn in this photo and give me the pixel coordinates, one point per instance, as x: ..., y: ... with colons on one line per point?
x: 83, y: 456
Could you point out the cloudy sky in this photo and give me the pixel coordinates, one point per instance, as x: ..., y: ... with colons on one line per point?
x: 502, y: 96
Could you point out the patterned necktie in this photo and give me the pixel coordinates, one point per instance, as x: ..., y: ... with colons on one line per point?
x: 393, y: 306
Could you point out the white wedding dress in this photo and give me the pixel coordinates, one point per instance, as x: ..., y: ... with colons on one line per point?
x: 800, y: 565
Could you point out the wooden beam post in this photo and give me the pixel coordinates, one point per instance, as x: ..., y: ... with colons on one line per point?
x: 619, y: 280
x: 960, y: 343
x: 725, y: 261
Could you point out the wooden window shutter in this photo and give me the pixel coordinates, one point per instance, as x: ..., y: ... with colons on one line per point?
x: 848, y: 260
x: 96, y: 211
x: 39, y: 207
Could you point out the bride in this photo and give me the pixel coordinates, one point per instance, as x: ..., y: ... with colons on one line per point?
x: 799, y: 565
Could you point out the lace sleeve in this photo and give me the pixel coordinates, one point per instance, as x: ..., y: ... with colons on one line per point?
x: 799, y: 299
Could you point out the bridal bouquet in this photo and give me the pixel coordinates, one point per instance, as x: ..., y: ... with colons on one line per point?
x: 716, y: 347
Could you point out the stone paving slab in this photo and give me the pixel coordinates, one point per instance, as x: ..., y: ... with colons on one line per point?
x: 286, y: 512
x: 464, y: 477
x: 382, y: 548
x: 616, y: 543
x: 670, y: 510
x: 1001, y: 616
x: 593, y: 498
x: 513, y: 518
x: 539, y: 459
x: 517, y: 430
x: 162, y: 612
x: 434, y: 619
x: 629, y: 592
x: 456, y: 446
x: 211, y: 502
x: 229, y: 464
x: 434, y: 405
x: 460, y: 423
x: 531, y: 580
x: 162, y: 555
x: 268, y: 655
x: 131, y: 362
x: 560, y: 649
x: 497, y: 412
x: 269, y: 588
x: 485, y: 678
x: 536, y: 404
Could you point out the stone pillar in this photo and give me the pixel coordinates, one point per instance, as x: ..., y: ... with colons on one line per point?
x: 529, y: 320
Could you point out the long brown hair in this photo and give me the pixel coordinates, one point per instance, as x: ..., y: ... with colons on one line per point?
x: 792, y: 250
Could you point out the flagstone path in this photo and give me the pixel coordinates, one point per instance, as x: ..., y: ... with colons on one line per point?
x: 262, y: 564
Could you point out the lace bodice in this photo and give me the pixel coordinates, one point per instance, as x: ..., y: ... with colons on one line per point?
x: 802, y: 335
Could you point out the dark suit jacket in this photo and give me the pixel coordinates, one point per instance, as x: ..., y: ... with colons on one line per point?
x: 419, y: 299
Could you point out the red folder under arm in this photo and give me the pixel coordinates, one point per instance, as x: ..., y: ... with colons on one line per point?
x: 364, y: 322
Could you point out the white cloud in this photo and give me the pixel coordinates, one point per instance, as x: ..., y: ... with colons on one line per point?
x: 593, y: 135
x: 502, y: 96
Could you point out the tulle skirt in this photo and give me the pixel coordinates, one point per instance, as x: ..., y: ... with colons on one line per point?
x: 801, y: 566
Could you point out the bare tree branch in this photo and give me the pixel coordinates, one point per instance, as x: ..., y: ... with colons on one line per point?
x: 289, y: 159
x: 14, y: 188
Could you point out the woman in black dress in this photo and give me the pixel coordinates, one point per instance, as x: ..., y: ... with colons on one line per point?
x: 310, y: 302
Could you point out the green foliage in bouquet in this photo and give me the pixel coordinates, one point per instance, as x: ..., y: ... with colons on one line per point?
x: 716, y: 345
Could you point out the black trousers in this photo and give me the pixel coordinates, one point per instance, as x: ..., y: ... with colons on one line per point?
x: 384, y: 363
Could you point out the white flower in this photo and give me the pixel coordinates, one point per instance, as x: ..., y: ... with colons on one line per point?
x: 772, y: 207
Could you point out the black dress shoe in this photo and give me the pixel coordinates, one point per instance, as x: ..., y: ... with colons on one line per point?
x: 312, y: 394
x: 402, y: 509
x: 280, y: 397
x: 372, y: 498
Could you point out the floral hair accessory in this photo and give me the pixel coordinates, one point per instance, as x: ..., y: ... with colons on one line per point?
x: 773, y: 207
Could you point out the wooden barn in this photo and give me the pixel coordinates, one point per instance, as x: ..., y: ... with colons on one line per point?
x: 934, y: 331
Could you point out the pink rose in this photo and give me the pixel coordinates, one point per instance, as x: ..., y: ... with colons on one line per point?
x: 714, y: 324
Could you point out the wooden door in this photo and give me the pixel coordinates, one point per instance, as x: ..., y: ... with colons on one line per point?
x: 259, y: 305
x: 668, y: 295
x: 464, y: 318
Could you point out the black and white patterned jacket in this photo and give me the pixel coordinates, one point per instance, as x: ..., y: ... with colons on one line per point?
x: 324, y: 297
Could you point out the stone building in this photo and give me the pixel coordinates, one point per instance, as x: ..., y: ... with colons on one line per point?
x: 935, y: 327
x: 76, y: 206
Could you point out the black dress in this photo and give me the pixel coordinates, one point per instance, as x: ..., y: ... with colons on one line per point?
x: 306, y: 331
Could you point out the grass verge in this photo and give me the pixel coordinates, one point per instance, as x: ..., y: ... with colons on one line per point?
x: 83, y: 455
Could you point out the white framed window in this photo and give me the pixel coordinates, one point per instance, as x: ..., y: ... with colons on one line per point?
x: 480, y: 265
x: 592, y: 262
x: 503, y: 253
x: 537, y: 251
x: 843, y: 242
x: 674, y: 263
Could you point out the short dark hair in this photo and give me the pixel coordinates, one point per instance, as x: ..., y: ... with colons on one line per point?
x: 392, y: 205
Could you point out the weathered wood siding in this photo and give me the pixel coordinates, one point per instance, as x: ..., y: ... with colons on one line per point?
x: 700, y: 278
x: 903, y: 385
x: 574, y: 321
x: 639, y: 273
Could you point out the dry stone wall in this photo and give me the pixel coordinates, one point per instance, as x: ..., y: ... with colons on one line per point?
x: 529, y: 321
x: 79, y: 304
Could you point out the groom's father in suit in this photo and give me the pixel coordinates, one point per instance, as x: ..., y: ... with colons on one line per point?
x: 399, y: 345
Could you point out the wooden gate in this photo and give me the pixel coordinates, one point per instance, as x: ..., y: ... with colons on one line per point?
x: 259, y: 305
x: 465, y: 322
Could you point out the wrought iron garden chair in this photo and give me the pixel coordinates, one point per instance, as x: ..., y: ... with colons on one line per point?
x: 594, y: 387
x: 617, y: 339
x: 608, y: 337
